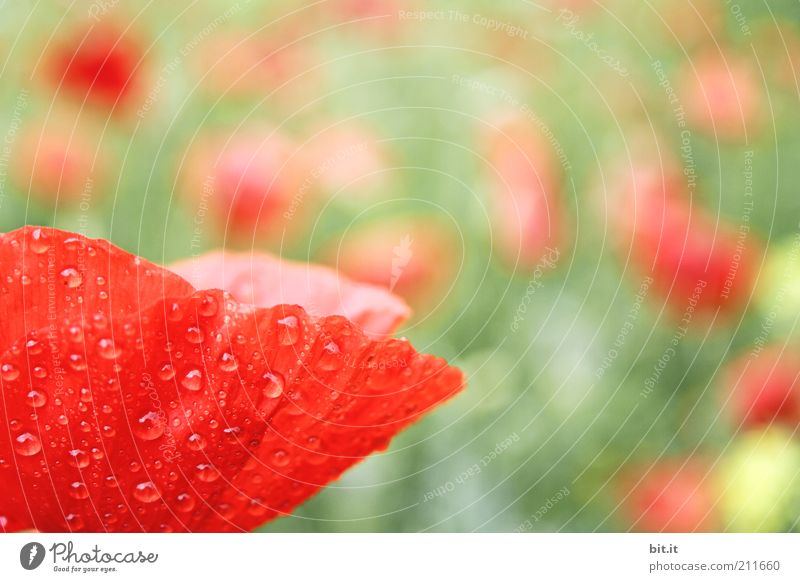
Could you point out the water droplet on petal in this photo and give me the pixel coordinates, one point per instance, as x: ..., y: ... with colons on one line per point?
x: 184, y: 502
x: 79, y: 458
x: 208, y: 306
x: 194, y: 335
x: 37, y: 398
x: 273, y: 385
x: 288, y: 330
x: 106, y: 349
x: 149, y: 427
x: 9, y: 372
x: 280, y: 458
x: 146, y: 492
x: 331, y: 357
x: 228, y: 363
x: 193, y: 380
x: 207, y: 473
x: 71, y: 277
x: 166, y: 372
x: 197, y: 442
x: 74, y: 521
x: 39, y: 242
x: 78, y: 490
x: 27, y: 444
x: 77, y: 362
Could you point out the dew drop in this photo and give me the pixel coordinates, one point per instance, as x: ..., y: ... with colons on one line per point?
x: 331, y: 357
x: 207, y: 473
x: 228, y: 363
x: 193, y: 380
x: 72, y: 277
x: 273, y: 385
x: 79, y: 458
x: 196, y: 442
x: 77, y: 362
x: 37, y: 398
x: 166, y: 372
x: 74, y: 521
x: 9, y: 372
x: 288, y: 330
x: 280, y: 458
x: 146, y: 492
x: 208, y: 306
x: 27, y: 444
x: 78, y: 490
x: 194, y: 335
x: 149, y: 427
x: 184, y: 502
x: 106, y: 349
x: 34, y: 347
x: 39, y: 241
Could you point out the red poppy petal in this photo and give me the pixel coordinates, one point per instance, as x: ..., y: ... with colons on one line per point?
x: 282, y: 403
x: 266, y: 281
x: 52, y: 274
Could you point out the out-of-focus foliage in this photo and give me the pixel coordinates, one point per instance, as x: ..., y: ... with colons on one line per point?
x: 477, y: 158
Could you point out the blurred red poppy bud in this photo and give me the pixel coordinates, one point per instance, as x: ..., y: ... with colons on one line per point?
x: 524, y: 185
x: 101, y: 65
x: 761, y: 388
x: 698, y: 261
x: 672, y: 496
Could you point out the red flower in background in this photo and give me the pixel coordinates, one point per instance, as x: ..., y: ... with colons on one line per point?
x: 56, y: 162
x: 671, y: 497
x: 101, y: 65
x: 134, y: 402
x: 722, y: 95
x: 251, y: 183
x: 694, y: 257
x: 525, y: 189
x: 764, y: 389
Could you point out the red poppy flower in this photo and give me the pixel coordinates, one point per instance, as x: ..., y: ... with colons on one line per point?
x: 696, y: 260
x: 763, y: 389
x: 56, y: 162
x: 134, y: 402
x: 671, y: 497
x: 250, y: 184
x: 524, y: 187
x: 101, y: 65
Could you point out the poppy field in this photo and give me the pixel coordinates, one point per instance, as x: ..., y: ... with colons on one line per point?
x: 383, y: 266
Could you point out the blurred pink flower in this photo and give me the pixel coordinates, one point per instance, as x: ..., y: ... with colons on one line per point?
x: 251, y: 184
x: 721, y: 94
x: 524, y: 184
